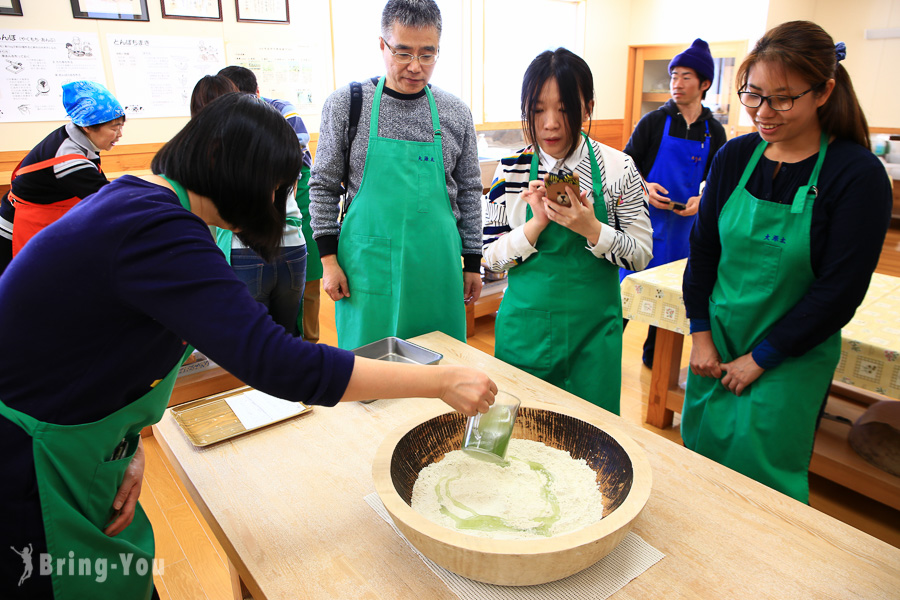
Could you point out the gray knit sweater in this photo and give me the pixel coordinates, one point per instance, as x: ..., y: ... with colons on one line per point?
x: 405, y: 117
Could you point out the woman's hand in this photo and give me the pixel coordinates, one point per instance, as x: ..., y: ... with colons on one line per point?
x: 705, y: 359
x: 126, y: 499
x: 578, y: 217
x: 740, y: 373
x: 334, y: 281
x: 534, y: 196
x: 467, y: 390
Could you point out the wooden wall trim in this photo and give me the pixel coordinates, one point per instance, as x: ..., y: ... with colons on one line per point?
x: 609, y: 132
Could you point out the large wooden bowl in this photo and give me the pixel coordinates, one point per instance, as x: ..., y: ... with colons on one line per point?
x: 623, y: 474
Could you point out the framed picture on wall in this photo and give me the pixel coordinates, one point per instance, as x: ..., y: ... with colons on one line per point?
x: 11, y: 7
x: 209, y: 10
x: 120, y: 10
x: 262, y: 11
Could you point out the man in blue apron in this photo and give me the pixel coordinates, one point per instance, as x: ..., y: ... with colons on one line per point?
x: 673, y: 147
x: 407, y: 253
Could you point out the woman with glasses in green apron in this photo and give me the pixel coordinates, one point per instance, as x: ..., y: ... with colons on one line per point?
x: 790, y: 229
x: 144, y: 283
x: 561, y: 315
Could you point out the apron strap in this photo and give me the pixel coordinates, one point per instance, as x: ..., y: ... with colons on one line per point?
x: 810, y: 189
x: 28, y: 423
x: 376, y: 108
x: 757, y: 153
x: 666, y: 128
x: 437, y: 136
x: 56, y: 160
x: 181, y: 192
x: 223, y: 236
x: 596, y: 175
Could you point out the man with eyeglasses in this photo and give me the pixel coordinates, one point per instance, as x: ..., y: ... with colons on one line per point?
x: 407, y: 253
x: 673, y: 147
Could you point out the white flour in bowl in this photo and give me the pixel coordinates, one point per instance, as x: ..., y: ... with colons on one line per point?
x: 542, y: 492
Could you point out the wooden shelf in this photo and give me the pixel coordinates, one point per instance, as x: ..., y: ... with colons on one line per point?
x: 835, y: 460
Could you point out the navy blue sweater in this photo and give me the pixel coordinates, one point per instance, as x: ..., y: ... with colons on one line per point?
x: 850, y: 218
x: 95, y: 308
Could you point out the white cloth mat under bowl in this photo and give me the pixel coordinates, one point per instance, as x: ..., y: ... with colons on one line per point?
x: 600, y: 581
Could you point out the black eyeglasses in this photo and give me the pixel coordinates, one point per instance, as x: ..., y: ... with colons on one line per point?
x: 779, y: 103
x: 404, y: 58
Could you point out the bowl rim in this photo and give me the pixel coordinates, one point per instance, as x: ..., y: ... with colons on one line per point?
x: 621, y: 517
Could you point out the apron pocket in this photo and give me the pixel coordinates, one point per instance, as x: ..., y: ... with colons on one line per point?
x: 104, y: 486
x: 526, y: 339
x: 371, y: 257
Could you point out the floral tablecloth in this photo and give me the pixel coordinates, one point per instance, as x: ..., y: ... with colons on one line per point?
x: 654, y: 296
x: 870, y: 345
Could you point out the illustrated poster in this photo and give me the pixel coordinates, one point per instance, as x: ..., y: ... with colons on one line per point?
x: 283, y: 72
x: 35, y: 65
x: 155, y: 74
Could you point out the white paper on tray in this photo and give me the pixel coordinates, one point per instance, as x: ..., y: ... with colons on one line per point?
x: 255, y: 409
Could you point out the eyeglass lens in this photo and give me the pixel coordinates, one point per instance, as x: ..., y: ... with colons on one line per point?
x: 406, y: 58
x: 751, y: 100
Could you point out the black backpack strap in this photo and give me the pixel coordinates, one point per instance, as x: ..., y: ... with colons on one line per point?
x: 355, y: 110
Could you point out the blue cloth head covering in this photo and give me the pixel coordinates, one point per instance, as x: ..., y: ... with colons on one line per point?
x: 698, y: 58
x: 89, y: 103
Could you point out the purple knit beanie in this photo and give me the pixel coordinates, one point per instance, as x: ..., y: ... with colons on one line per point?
x: 698, y: 58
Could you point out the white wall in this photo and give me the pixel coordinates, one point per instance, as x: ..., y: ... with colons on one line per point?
x: 606, y: 51
x: 308, y: 19
x: 874, y: 65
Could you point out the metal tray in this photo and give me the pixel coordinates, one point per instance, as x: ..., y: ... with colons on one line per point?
x: 209, y: 420
x: 393, y: 349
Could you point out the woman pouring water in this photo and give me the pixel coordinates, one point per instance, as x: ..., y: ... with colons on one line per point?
x: 145, y: 275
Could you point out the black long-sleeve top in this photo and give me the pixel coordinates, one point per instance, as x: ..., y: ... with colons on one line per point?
x: 850, y: 219
x: 643, y: 145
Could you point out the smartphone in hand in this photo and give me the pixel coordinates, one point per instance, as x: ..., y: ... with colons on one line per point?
x: 556, y: 188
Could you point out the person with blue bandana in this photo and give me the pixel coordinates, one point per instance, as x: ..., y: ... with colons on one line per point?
x: 63, y: 168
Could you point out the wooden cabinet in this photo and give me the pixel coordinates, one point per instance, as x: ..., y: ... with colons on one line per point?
x: 648, y: 82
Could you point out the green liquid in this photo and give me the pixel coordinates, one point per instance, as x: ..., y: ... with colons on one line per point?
x: 489, y: 439
x: 481, y: 522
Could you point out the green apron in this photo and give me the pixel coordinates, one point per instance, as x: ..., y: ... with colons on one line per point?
x: 399, y: 246
x: 77, y: 483
x: 313, y: 260
x: 561, y: 314
x: 764, y: 270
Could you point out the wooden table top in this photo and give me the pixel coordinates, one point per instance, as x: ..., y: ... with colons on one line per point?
x: 286, y: 503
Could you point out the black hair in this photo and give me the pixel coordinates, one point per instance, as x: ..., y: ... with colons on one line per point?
x: 576, y: 91
x: 418, y: 14
x: 238, y: 151
x: 806, y: 49
x: 208, y: 89
x: 243, y: 78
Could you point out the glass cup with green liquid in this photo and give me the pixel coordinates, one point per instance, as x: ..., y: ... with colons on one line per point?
x: 488, y: 434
